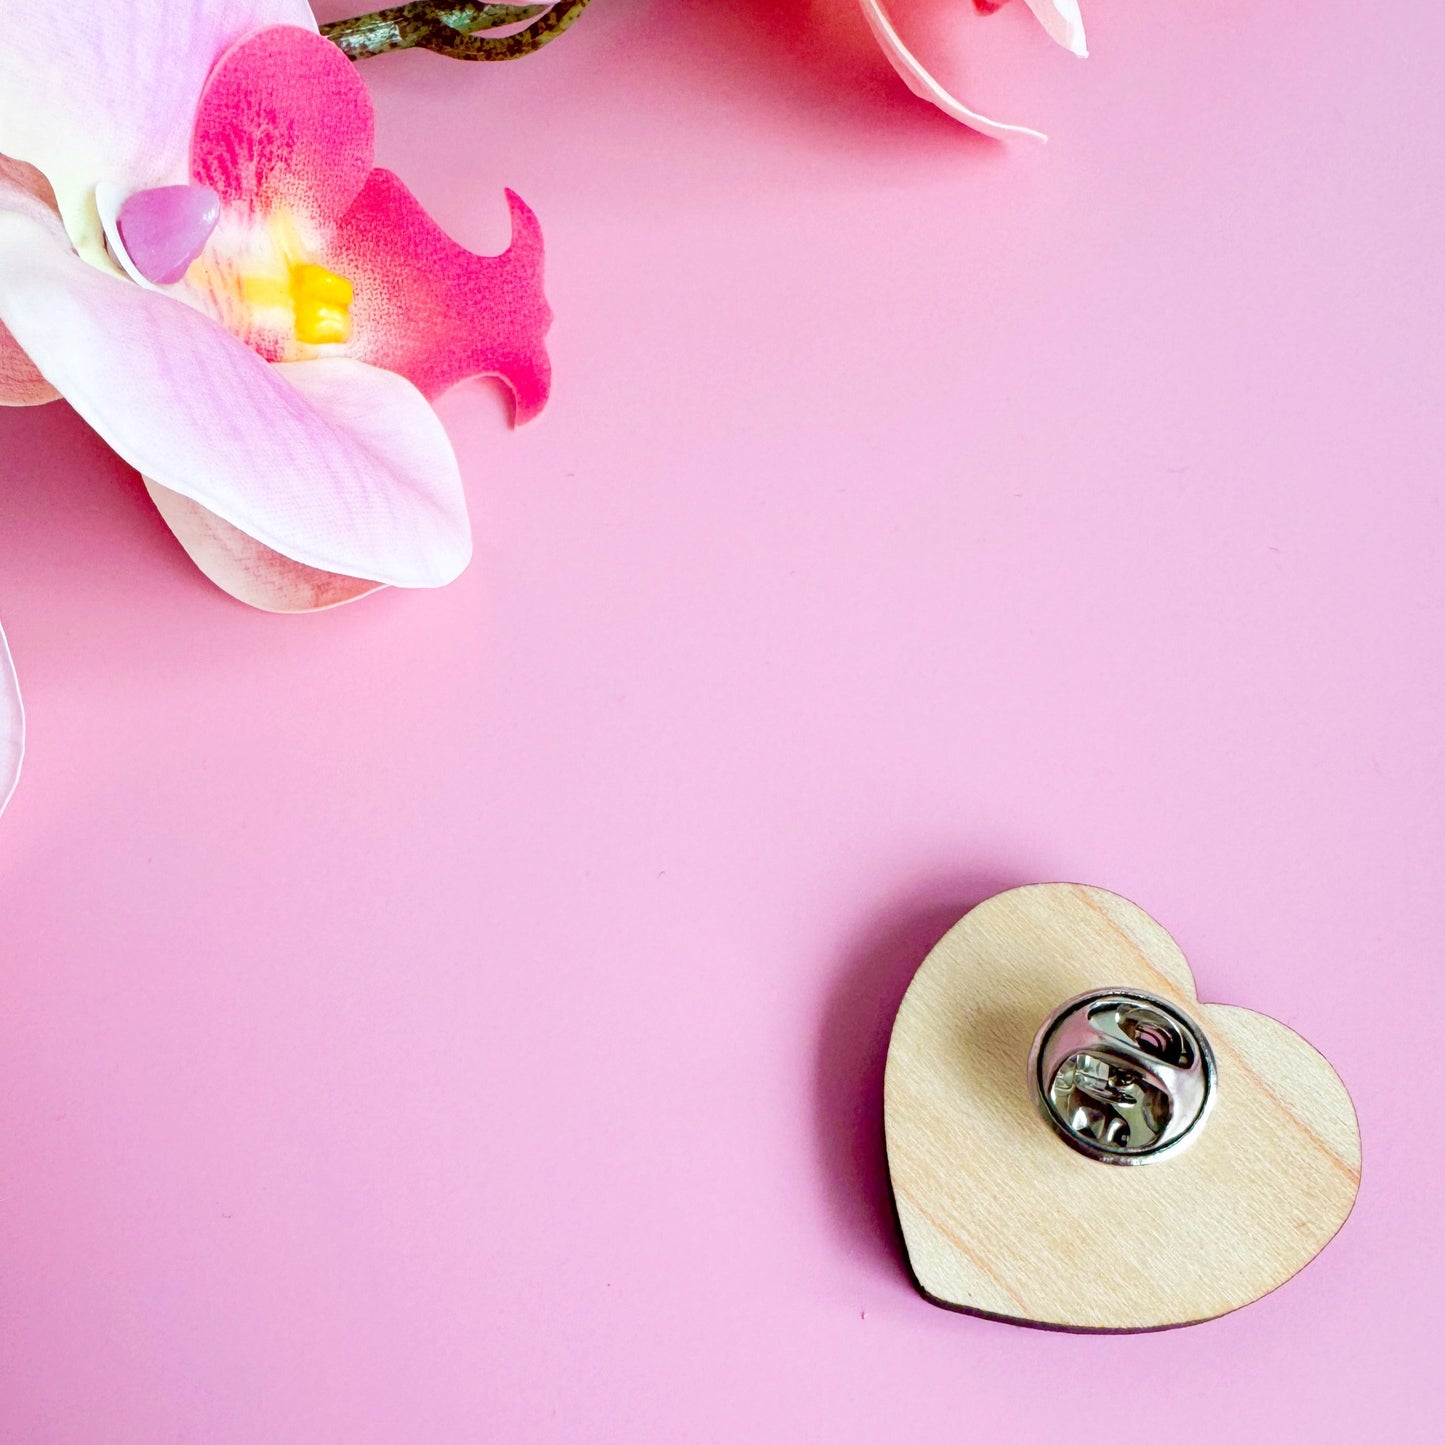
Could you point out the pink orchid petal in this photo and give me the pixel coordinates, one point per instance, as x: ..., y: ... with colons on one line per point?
x: 108, y: 91
x: 333, y: 463
x: 20, y: 383
x: 285, y: 122
x: 12, y: 725
x: 1064, y: 22
x: 430, y: 309
x: 247, y: 569
x: 923, y: 85
x: 23, y: 189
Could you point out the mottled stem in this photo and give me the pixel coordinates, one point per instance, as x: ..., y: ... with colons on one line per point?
x: 452, y: 27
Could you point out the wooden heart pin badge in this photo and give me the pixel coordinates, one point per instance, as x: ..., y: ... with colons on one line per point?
x: 1075, y: 1141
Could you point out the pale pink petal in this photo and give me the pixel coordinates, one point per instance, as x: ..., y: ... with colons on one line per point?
x: 923, y: 85
x: 108, y: 91
x: 12, y: 725
x: 248, y: 569
x: 20, y: 383
x: 1064, y: 23
x: 285, y: 123
x: 23, y: 189
x: 430, y: 309
x: 333, y: 463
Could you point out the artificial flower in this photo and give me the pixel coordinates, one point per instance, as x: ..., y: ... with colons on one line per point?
x: 196, y: 252
x: 1061, y: 19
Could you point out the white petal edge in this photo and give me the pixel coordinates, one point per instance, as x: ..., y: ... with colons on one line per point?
x: 336, y: 464
x: 923, y: 85
x: 1064, y: 22
x: 109, y: 91
x: 12, y: 725
x: 247, y: 569
x: 109, y: 198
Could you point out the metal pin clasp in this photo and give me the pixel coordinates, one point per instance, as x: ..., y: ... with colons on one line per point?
x: 1123, y: 1076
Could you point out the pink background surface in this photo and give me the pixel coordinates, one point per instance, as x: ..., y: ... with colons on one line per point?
x: 460, y: 1017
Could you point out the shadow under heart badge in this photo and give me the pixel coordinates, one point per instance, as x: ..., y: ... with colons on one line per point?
x: 1054, y: 1036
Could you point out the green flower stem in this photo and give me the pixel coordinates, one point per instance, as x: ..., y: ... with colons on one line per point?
x: 453, y: 28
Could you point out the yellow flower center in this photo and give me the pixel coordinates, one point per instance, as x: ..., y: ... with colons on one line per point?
x: 322, y: 302
x: 261, y: 284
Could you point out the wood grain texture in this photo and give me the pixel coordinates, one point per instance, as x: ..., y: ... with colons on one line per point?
x: 1002, y: 1218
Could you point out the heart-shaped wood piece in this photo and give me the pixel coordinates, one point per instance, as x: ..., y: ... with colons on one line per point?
x: 1002, y: 1218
